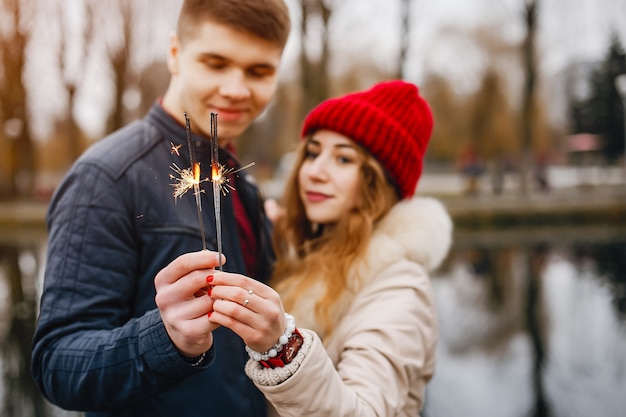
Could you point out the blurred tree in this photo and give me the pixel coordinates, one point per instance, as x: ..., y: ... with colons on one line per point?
x: 492, y: 128
x: 314, y: 71
x: 491, y: 121
x: 405, y: 15
x: 86, y: 32
x: 73, y: 70
x: 544, y: 142
x: 135, y: 56
x: 450, y: 132
x: 51, y: 155
x: 14, y: 118
x: 153, y: 81
x: 601, y: 111
x: 119, y: 53
x: 528, y: 92
x: 274, y: 134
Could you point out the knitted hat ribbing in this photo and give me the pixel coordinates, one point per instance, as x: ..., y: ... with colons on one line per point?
x: 391, y: 120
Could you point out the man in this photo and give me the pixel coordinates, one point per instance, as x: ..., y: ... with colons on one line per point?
x: 109, y: 342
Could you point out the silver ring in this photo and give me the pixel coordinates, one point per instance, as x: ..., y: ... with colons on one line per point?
x: 246, y: 302
x: 250, y: 292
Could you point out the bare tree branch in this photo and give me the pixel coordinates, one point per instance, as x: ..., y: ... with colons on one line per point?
x: 13, y: 111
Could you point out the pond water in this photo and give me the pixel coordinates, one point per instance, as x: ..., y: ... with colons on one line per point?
x: 532, y: 323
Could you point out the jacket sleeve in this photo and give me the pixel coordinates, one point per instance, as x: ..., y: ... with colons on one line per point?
x: 89, y: 353
x: 386, y: 347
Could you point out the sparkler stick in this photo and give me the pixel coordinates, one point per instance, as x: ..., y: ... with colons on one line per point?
x: 195, y: 169
x: 216, y: 179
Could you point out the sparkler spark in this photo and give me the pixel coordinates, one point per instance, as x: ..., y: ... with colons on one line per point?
x: 174, y: 149
x: 221, y: 175
x: 186, y: 180
x: 189, y: 178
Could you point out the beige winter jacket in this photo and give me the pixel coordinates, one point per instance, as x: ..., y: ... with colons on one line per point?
x: 382, y: 352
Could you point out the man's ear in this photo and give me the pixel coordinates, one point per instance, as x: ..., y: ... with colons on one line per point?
x: 172, y: 54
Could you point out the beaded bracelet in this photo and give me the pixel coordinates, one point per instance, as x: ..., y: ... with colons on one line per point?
x: 196, y: 360
x: 282, y: 341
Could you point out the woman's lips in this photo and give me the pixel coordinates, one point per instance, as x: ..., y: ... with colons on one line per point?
x: 315, y: 197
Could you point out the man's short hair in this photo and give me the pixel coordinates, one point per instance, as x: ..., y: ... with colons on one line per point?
x: 265, y: 19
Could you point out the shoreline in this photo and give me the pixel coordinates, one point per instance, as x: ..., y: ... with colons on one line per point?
x: 564, y: 206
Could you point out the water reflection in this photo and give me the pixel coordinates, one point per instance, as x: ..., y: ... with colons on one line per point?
x: 21, y: 258
x: 18, y: 267
x: 532, y: 323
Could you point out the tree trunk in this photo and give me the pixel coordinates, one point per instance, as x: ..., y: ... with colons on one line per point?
x: 404, y: 37
x: 314, y: 77
x: 13, y: 111
x: 528, y: 93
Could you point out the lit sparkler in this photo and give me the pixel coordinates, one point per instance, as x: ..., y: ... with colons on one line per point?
x: 189, y: 178
x: 222, y: 177
x: 185, y: 181
x: 220, y: 180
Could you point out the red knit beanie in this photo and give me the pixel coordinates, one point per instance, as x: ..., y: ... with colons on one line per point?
x: 391, y: 120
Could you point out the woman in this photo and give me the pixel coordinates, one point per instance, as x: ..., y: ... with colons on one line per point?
x: 354, y: 249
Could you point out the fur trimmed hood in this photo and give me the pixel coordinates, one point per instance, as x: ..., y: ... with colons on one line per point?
x: 418, y: 229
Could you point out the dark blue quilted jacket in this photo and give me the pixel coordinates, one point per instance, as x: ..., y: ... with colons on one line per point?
x: 100, y: 344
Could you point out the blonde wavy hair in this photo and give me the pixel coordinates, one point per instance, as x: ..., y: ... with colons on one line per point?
x: 307, y: 252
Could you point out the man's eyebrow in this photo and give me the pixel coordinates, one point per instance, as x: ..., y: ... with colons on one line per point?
x: 216, y: 56
x: 213, y: 55
x: 264, y: 65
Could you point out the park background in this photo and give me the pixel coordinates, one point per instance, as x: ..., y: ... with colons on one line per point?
x: 527, y: 154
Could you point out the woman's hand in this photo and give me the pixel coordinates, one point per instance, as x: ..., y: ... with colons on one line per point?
x: 249, y: 308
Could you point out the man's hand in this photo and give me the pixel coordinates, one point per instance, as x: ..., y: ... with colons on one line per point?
x: 181, y: 296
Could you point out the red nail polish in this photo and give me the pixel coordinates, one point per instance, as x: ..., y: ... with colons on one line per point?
x: 209, y: 278
x: 208, y: 291
x: 210, y: 312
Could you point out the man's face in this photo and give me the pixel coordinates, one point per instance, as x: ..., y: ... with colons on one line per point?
x: 218, y: 69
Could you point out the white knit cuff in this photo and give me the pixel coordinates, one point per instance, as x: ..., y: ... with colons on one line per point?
x: 273, y: 376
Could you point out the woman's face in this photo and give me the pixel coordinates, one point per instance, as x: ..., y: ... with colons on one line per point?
x: 330, y: 176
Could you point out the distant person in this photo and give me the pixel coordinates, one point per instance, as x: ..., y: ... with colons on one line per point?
x: 103, y: 344
x: 472, y: 169
x: 354, y: 250
x: 542, y: 162
x: 499, y: 167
